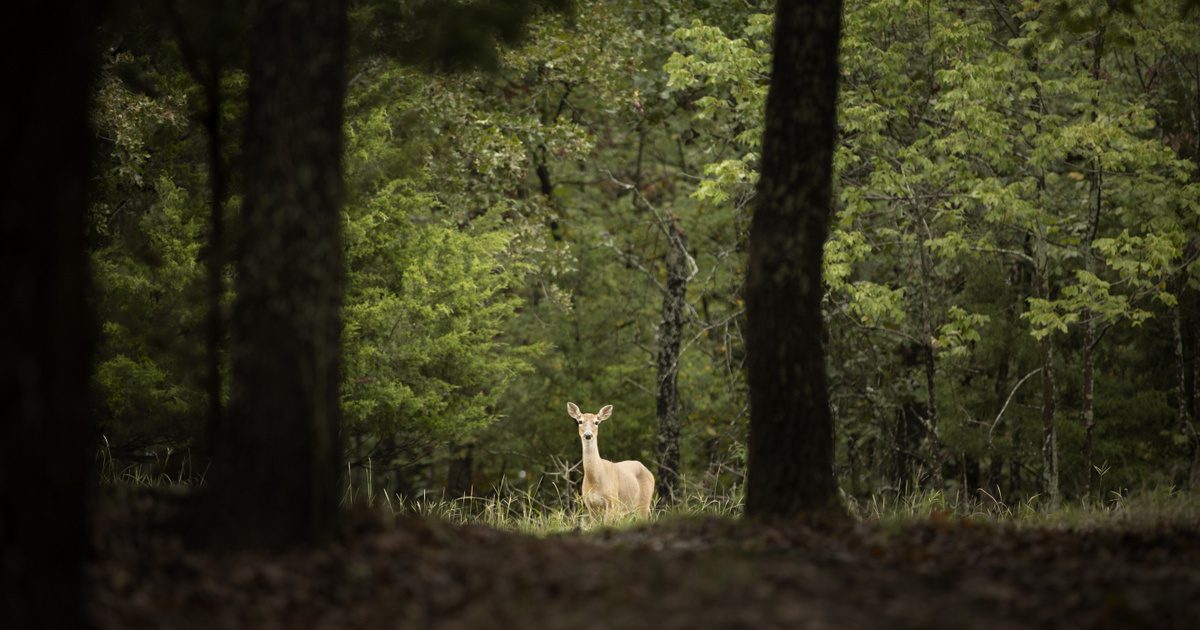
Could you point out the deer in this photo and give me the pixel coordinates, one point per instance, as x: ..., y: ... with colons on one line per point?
x: 611, y: 490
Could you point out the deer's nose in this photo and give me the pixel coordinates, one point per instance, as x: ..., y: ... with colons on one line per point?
x: 587, y: 436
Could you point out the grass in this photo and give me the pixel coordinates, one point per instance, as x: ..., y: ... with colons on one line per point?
x: 524, y: 510
x: 1140, y: 508
x: 548, y: 507
x: 149, y: 474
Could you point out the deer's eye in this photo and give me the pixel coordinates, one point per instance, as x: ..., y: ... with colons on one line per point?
x: 580, y: 422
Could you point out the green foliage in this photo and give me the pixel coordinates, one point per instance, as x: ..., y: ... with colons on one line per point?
x: 505, y: 246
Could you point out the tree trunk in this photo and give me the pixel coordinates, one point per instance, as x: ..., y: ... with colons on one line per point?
x: 908, y: 431
x: 670, y: 334
x: 929, y: 358
x: 996, y: 460
x: 276, y: 483
x: 1194, y: 474
x: 1087, y: 412
x: 791, y: 428
x: 215, y: 258
x: 1183, y: 416
x: 1049, y: 433
x: 459, y: 475
x: 49, y: 64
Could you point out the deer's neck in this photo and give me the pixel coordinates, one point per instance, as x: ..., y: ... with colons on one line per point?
x: 591, y: 459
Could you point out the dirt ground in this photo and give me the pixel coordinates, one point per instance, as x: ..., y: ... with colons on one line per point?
x: 681, y: 574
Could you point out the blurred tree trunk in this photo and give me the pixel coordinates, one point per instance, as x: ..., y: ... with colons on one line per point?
x: 459, y: 474
x: 1183, y: 414
x: 50, y: 63
x: 996, y: 458
x: 669, y: 337
x: 276, y: 481
x: 1194, y: 474
x: 1049, y: 432
x: 907, y: 438
x: 933, y: 442
x: 791, y: 428
x: 1096, y: 193
x: 201, y: 39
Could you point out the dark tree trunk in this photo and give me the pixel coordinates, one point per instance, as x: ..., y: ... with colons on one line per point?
x: 1014, y: 461
x: 202, y: 56
x: 459, y: 474
x: 1183, y: 415
x: 996, y: 459
x: 49, y: 66
x: 1049, y: 432
x: 970, y: 475
x: 670, y: 334
x: 215, y: 260
x: 276, y: 482
x: 929, y: 357
x: 1194, y: 474
x: 791, y: 428
x: 906, y: 438
x: 1087, y: 413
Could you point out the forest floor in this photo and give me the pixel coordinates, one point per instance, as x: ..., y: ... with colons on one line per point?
x: 936, y: 572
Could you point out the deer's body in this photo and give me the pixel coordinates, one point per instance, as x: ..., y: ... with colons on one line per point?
x: 610, y: 489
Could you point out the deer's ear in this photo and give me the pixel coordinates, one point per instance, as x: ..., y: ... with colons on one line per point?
x: 573, y: 410
x: 605, y: 412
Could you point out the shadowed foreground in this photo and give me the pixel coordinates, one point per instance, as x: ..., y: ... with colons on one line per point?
x: 674, y: 575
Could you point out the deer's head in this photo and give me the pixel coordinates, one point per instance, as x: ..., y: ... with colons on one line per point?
x: 589, y: 423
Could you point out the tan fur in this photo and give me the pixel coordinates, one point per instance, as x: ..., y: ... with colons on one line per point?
x: 610, y: 490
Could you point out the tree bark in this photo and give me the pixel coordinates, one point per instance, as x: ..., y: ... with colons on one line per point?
x: 928, y: 356
x: 276, y: 482
x: 459, y: 474
x: 215, y: 259
x: 1049, y: 432
x: 670, y: 334
x: 1087, y: 412
x: 1194, y: 473
x: 996, y: 460
x: 1183, y: 415
x: 49, y: 64
x: 791, y: 427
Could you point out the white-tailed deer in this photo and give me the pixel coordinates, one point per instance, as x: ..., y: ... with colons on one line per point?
x: 612, y: 490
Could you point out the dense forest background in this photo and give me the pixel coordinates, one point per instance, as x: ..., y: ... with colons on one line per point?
x: 1012, y: 294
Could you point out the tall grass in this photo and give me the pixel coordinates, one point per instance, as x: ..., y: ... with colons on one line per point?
x: 1144, y: 507
x: 550, y: 505
x: 167, y: 470
x: 527, y: 509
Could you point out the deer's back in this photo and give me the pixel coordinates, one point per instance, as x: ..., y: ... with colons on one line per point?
x: 633, y: 478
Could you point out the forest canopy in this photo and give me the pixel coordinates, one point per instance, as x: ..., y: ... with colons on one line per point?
x: 1011, y: 294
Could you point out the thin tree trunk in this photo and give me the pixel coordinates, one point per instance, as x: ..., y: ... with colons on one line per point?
x: 1194, y: 475
x: 791, y: 427
x: 1087, y: 412
x: 276, y: 482
x: 1183, y: 415
x: 996, y: 460
x: 1049, y: 432
x: 49, y: 63
x: 928, y: 356
x: 669, y: 336
x: 460, y: 474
